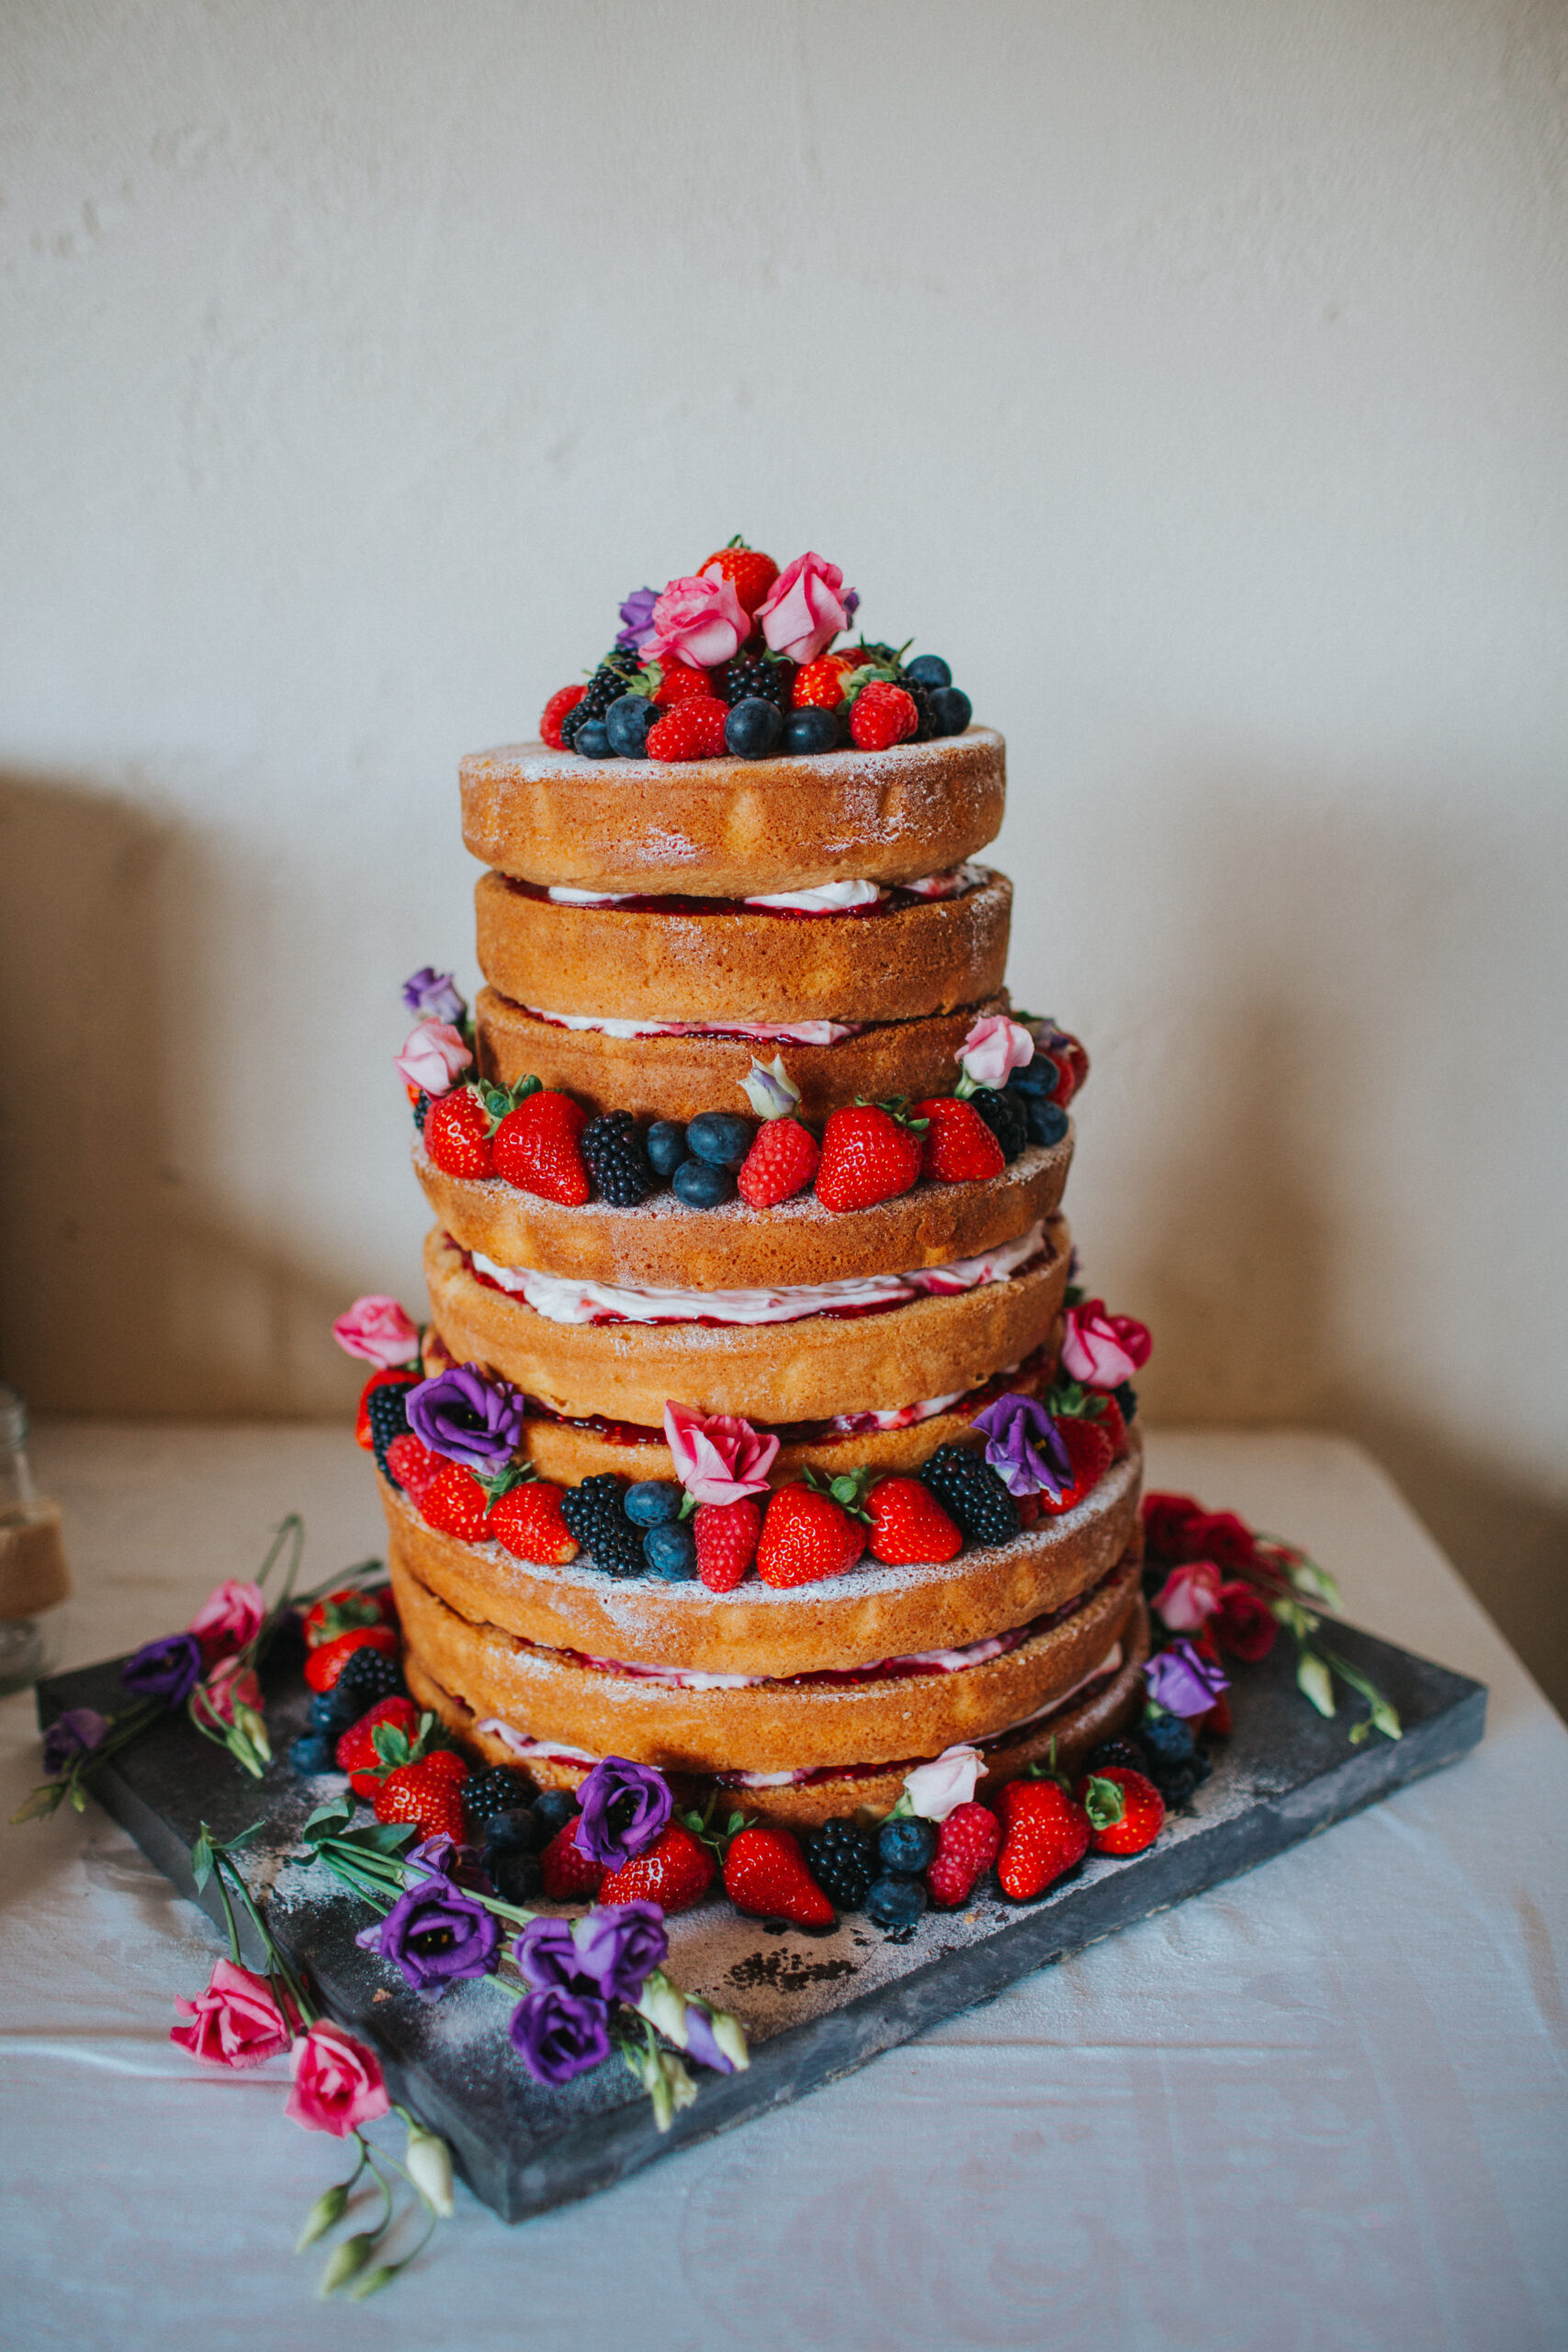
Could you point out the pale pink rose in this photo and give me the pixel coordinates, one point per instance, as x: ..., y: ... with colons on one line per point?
x: 937, y: 1789
x: 994, y: 1047
x: 236, y: 2022
x: 227, y: 1687
x: 718, y: 1458
x: 378, y: 1331
x: 699, y: 621
x: 803, y: 610
x: 337, y: 2083
x: 1100, y: 1349
x: 229, y: 1618
x: 434, y: 1058
x: 1190, y: 1596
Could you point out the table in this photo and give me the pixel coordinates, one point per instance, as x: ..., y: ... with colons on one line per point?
x: 1322, y: 2107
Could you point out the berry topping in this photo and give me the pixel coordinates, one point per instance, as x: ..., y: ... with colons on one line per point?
x: 411, y: 1465
x: 566, y: 1871
x: 757, y: 677
x: 896, y: 1905
x: 749, y: 571
x: 386, y: 1412
x: 652, y: 1502
x: 595, y: 1513
x: 616, y: 1159
x: 428, y: 1793
x: 951, y: 710
x: 727, y: 1537
x: 905, y: 1842
x: 500, y: 1790
x: 882, y: 715
x: 554, y: 711
x: 701, y: 1185
x: 527, y: 1523
x: 457, y: 1135
x: 454, y: 1503
x: 678, y: 683
x: 970, y: 1491
x: 607, y: 685
x: 781, y: 1162
x: 721, y: 1138
x: 928, y: 669
x: 665, y: 1143
x: 1005, y: 1115
x: 868, y: 1155
x: 356, y: 1753
x: 1125, y: 1810
x: 811, y: 731
x: 909, y: 1525
x: 693, y: 730
x: 671, y: 1551
x: 627, y: 725
x: 675, y: 1872
x: 820, y: 685
x: 967, y: 1843
x: 765, y: 1875
x: 369, y: 1675
x: 959, y: 1147
x: 536, y: 1147
x: 754, y: 729
x: 842, y: 1858
x: 325, y: 1664
x: 1043, y: 1834
x: 1090, y: 1450
x: 807, y: 1535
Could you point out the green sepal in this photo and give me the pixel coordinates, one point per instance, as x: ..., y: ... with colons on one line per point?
x: 688, y: 1507
x: 499, y: 1100
x: 500, y: 1482
x: 848, y: 1490
x: 1048, y: 1771
x: 897, y: 1107
x: 1074, y: 1295
x: 1073, y: 1402
x: 395, y: 1749
x: 1103, y: 1802
x: 648, y: 681
x: 42, y: 1802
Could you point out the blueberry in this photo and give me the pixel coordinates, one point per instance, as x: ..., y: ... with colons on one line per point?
x: 651, y: 1501
x: 906, y: 1843
x: 701, y: 1185
x: 929, y: 670
x: 515, y: 1831
x: 335, y: 1711
x: 671, y: 1551
x: 895, y: 1904
x: 552, y: 1810
x: 1040, y: 1077
x: 515, y: 1877
x: 1047, y: 1121
x: 626, y: 723
x: 665, y: 1143
x: 950, y: 707
x: 721, y: 1138
x: 591, y: 741
x: 313, y: 1753
x: 812, y: 730
x: 1166, y: 1738
x: 753, y: 729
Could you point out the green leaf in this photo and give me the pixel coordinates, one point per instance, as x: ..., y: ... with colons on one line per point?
x: 329, y: 1819
x: 1314, y: 1681
x: 201, y: 1859
x: 391, y: 1744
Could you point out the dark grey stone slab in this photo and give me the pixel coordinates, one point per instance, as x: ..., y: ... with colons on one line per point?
x: 816, y: 2008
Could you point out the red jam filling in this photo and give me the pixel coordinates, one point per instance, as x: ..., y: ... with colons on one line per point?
x: 894, y: 898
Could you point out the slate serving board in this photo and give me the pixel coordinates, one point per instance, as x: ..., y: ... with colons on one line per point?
x: 814, y: 2008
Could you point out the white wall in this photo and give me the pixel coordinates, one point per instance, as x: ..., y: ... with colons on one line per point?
x: 1192, y: 375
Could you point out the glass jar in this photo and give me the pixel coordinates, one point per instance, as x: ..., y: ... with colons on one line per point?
x: 35, y: 1582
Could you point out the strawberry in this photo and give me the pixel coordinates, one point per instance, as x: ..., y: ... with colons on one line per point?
x: 428, y: 1793
x: 554, y: 711
x: 967, y: 1845
x: 868, y: 1155
x: 820, y: 685
x: 727, y: 1541
x: 1090, y: 1451
x: 807, y: 1535
x: 676, y: 1871
x: 457, y: 1135
x: 527, y: 1523
x: 454, y: 1503
x: 567, y: 1872
x: 680, y: 682
x: 356, y: 1751
x: 765, y: 1875
x: 1127, y: 1811
x: 693, y: 730
x: 959, y: 1147
x: 1043, y: 1834
x: 536, y: 1149
x: 882, y: 715
x: 362, y: 1432
x: 412, y: 1465
x: 324, y: 1664
x: 1111, y: 1423
x: 909, y: 1525
x: 781, y: 1163
x: 749, y: 571
x: 341, y: 1612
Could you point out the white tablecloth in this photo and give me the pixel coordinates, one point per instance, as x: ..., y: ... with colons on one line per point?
x: 1323, y: 2107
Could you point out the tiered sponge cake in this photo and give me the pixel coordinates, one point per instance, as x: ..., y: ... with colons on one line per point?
x: 630, y: 966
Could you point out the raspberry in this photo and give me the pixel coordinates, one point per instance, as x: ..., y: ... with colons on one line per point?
x: 555, y: 710
x: 782, y: 1161
x: 411, y: 1465
x: 967, y: 1843
x: 726, y: 1537
x: 693, y: 730
x: 677, y: 682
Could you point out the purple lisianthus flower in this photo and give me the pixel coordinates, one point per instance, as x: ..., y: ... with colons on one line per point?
x: 439, y: 1858
x: 702, y: 2042
x: 434, y: 996
x: 619, y: 1945
x: 468, y: 1417
x: 1183, y: 1681
x: 75, y: 1733
x: 624, y: 1809
x: 637, y: 617
x: 1024, y: 1447
x: 168, y: 1669
x: 545, y: 1952
x: 559, y: 2034
x: 437, y: 1934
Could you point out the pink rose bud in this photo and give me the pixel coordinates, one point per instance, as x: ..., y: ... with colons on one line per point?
x: 434, y: 1058
x: 229, y: 1618
x: 337, y: 2083
x: 699, y: 621
x: 1100, y: 1349
x: 226, y: 1688
x: 995, y: 1047
x: 1190, y: 1596
x: 236, y: 2022
x: 719, y: 1458
x: 939, y: 1788
x: 804, y: 609
x: 376, y: 1330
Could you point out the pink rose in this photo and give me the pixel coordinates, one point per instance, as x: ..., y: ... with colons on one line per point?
x: 699, y: 621
x: 337, y: 2083
x: 1190, y: 1596
x: 939, y: 1788
x: 378, y: 1331
x: 803, y: 610
x: 719, y: 1458
x: 236, y: 2022
x: 994, y: 1047
x: 434, y: 1058
x: 227, y: 1687
x: 229, y: 1618
x: 1100, y: 1349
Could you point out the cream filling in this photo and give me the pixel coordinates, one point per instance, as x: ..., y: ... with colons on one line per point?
x: 560, y: 1298
x: 824, y: 898
x: 764, y: 1033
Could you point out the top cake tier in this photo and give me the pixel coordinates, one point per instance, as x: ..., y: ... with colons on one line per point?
x: 734, y: 828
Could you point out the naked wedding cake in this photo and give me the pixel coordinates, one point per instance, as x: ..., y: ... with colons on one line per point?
x: 760, y: 1430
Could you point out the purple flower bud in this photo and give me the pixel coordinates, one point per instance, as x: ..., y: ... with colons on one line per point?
x: 559, y: 2034
x: 168, y: 1669
x: 850, y: 604
x: 619, y: 1945
x: 467, y: 1417
x: 75, y: 1733
x: 637, y: 617
x: 436, y: 1935
x: 434, y: 996
x: 1024, y: 1447
x: 1183, y: 1681
x: 624, y: 1809
x: 702, y: 2043
x: 439, y: 1858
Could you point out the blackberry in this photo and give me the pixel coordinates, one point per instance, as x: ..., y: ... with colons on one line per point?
x: 616, y: 1159
x: 368, y: 1676
x: 421, y: 1112
x: 499, y: 1790
x: 753, y: 674
x: 607, y: 685
x: 1124, y: 1753
x: 594, y: 1514
x: 842, y: 1858
x: 970, y: 1491
x: 1177, y: 1783
x: 920, y: 695
x: 1006, y: 1117
x: 387, y: 1413
x: 1127, y: 1398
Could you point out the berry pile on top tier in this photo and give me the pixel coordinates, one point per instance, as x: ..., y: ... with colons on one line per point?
x: 741, y: 660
